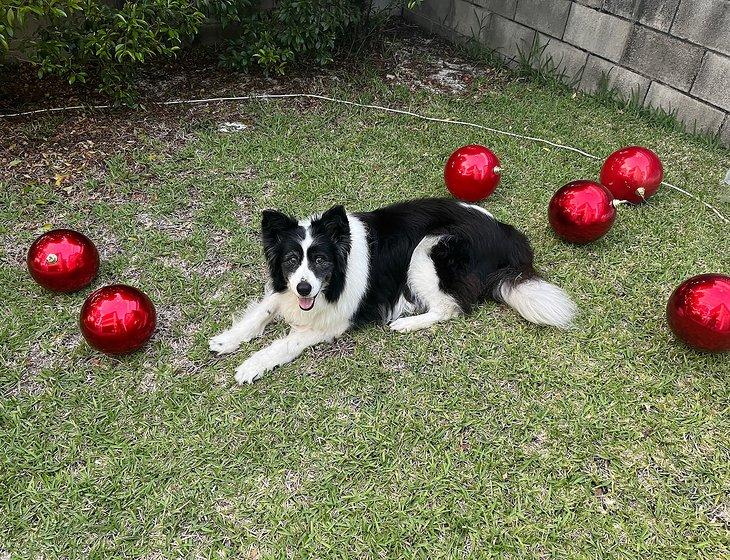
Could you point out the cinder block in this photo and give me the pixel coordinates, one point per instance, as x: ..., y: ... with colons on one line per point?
x: 434, y: 10
x: 596, y: 32
x: 469, y: 20
x: 430, y: 25
x: 654, y: 13
x: 725, y: 133
x: 591, y: 3
x: 657, y: 13
x: 660, y: 56
x: 379, y: 6
x: 508, y: 38
x: 712, y: 81
x: 629, y: 84
x: 562, y: 57
x: 623, y: 8
x: 504, y: 8
x: 548, y: 16
x: 696, y: 115
x: 705, y: 23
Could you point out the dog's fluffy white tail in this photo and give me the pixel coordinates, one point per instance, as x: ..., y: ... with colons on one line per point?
x: 540, y: 302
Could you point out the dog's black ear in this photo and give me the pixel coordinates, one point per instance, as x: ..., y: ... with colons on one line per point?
x: 275, y: 223
x: 335, y: 224
x: 274, y: 226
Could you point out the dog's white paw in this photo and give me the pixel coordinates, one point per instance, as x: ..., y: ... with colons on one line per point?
x: 224, y: 343
x: 409, y: 324
x: 249, y: 371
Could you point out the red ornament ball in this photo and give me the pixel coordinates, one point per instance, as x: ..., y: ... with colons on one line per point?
x: 699, y: 312
x: 472, y: 173
x: 633, y: 173
x: 63, y: 260
x: 581, y: 211
x: 117, y: 319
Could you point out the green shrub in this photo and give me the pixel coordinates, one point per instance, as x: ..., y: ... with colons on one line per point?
x: 298, y: 29
x: 92, y: 41
x: 227, y: 12
x: 294, y: 29
x: 82, y: 40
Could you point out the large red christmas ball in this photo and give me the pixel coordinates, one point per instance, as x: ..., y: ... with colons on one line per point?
x: 581, y: 211
x: 633, y: 173
x: 472, y: 173
x: 117, y: 319
x: 699, y: 312
x: 63, y: 260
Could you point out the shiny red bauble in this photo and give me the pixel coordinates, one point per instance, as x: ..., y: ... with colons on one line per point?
x: 699, y: 312
x: 472, y: 173
x: 63, y: 260
x: 581, y: 211
x: 633, y: 173
x: 117, y: 319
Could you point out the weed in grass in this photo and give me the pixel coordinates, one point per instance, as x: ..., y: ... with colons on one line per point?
x: 542, y: 68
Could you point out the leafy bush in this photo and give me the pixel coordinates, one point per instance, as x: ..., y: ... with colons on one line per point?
x: 106, y: 42
x: 227, y: 12
x: 294, y: 29
x: 298, y: 29
x: 87, y: 39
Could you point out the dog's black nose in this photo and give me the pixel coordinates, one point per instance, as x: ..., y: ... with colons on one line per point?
x: 304, y: 288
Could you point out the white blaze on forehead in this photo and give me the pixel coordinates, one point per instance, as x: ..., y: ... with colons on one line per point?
x: 303, y: 272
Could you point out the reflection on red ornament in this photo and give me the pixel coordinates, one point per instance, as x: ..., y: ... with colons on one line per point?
x: 699, y: 312
x: 581, y: 211
x: 63, y: 260
x: 117, y: 319
x: 472, y: 173
x: 633, y: 173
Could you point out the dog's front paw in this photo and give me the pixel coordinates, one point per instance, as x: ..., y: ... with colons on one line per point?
x: 249, y: 371
x: 224, y: 343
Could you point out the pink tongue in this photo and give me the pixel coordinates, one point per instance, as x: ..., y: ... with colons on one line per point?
x: 306, y: 303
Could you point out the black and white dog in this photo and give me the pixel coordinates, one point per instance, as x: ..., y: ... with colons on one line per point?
x: 409, y: 265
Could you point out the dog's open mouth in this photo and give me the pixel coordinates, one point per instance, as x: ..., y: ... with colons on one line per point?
x: 306, y: 303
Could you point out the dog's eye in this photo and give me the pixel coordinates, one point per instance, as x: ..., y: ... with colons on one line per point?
x: 292, y: 259
x: 319, y: 260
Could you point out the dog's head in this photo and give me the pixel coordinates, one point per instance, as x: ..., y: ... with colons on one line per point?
x: 309, y: 258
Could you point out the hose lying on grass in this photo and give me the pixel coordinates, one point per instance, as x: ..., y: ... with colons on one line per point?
x: 364, y: 106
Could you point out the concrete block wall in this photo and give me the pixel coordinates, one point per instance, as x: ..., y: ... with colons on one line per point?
x: 671, y: 54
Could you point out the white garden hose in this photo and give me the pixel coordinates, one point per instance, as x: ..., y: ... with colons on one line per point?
x: 364, y: 106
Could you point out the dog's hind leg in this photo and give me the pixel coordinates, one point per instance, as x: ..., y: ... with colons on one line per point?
x: 423, y: 281
x: 251, y: 325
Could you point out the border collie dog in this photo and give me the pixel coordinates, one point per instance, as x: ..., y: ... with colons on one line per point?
x: 408, y: 265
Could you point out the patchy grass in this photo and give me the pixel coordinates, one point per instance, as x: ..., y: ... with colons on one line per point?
x: 483, y: 437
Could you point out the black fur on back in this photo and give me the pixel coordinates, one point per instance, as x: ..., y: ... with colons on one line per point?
x: 476, y: 255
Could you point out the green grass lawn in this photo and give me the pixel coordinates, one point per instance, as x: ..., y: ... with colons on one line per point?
x: 484, y: 437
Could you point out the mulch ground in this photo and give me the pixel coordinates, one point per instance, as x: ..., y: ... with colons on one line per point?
x: 58, y: 149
